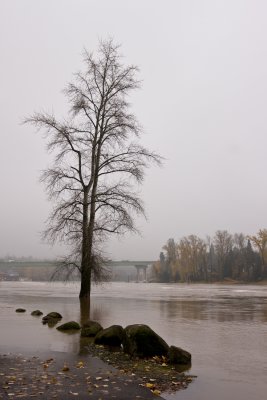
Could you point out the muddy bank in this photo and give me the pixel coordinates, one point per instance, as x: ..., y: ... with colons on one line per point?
x: 65, y: 376
x: 154, y: 373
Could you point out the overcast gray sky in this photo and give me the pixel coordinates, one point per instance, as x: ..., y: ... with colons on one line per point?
x: 202, y: 105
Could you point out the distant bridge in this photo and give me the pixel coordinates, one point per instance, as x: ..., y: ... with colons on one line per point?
x: 40, y: 269
x: 52, y: 263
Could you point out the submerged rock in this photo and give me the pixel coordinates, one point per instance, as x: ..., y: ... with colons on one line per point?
x: 20, y: 310
x: 36, y: 313
x: 140, y: 340
x: 91, y: 329
x: 69, y: 326
x: 52, y: 318
x: 112, y: 336
x: 54, y: 314
x: 177, y: 355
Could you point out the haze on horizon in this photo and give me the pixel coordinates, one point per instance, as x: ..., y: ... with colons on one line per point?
x: 202, y: 105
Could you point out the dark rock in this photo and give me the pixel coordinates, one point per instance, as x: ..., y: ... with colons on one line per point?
x: 177, y: 355
x: 52, y: 318
x: 51, y: 322
x: 20, y: 310
x: 90, y: 329
x: 54, y: 314
x: 140, y: 340
x: 36, y: 313
x: 69, y: 326
x: 112, y: 336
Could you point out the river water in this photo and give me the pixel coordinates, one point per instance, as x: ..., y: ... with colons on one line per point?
x: 224, y: 327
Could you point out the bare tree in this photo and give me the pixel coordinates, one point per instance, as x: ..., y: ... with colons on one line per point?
x: 98, y: 161
x: 223, y: 242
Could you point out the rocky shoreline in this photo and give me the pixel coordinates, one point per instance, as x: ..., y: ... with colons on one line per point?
x: 135, y: 354
x: 154, y: 373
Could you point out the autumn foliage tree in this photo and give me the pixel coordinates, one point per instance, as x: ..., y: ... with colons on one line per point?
x: 192, y: 258
x: 225, y: 256
x: 260, y: 242
x: 98, y: 161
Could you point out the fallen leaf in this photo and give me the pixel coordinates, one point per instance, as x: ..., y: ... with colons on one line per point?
x: 65, y: 368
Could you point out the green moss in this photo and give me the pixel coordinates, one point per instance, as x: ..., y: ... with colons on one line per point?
x: 69, y: 326
x: 91, y: 329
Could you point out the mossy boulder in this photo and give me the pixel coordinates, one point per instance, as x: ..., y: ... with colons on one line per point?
x: 52, y: 317
x: 112, y: 336
x: 69, y: 326
x: 91, y: 329
x: 20, y: 310
x: 36, y: 313
x: 54, y: 314
x: 141, y: 341
x: 176, y: 355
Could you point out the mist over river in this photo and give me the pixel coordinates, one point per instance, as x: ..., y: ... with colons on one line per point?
x: 224, y: 327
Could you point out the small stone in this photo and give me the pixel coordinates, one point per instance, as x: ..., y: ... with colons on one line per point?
x: 69, y: 326
x: 36, y: 313
x: 52, y: 318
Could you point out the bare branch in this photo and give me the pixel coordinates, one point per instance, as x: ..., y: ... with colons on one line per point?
x: 96, y: 163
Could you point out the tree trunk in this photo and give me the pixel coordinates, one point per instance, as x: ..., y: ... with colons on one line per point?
x: 88, y: 234
x: 85, y: 289
x: 84, y: 309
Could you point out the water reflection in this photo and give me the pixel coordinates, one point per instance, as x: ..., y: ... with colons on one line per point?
x: 220, y: 310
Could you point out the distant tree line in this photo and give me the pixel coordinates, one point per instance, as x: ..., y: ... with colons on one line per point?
x: 224, y: 256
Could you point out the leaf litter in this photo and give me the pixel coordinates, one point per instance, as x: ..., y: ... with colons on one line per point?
x: 49, y: 379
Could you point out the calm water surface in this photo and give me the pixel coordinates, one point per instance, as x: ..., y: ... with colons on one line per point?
x: 224, y: 327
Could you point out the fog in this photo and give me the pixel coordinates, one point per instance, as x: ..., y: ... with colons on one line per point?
x: 202, y: 105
